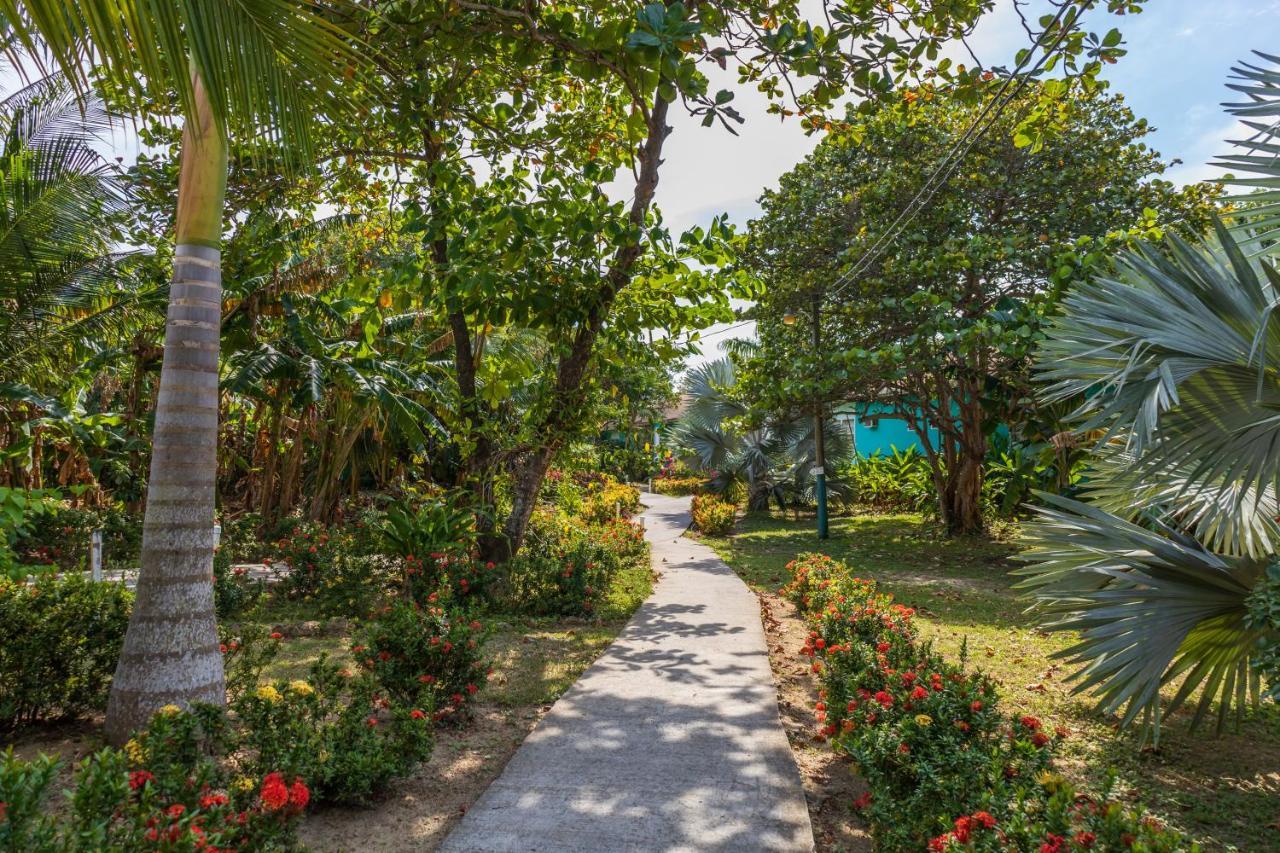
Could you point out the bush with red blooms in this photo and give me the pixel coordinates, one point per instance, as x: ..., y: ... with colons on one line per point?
x: 337, y: 730
x: 926, y: 735
x: 1053, y: 817
x: 425, y: 657
x: 163, y: 791
x: 713, y: 516
x: 310, y: 551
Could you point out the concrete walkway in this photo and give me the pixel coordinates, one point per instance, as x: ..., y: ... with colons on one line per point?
x: 670, y: 741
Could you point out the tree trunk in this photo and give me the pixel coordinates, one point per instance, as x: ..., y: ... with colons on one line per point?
x: 565, y: 409
x: 170, y: 651
x: 964, y: 477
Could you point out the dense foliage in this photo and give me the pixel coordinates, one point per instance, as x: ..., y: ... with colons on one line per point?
x: 946, y: 768
x: 59, y: 640
x: 941, y: 324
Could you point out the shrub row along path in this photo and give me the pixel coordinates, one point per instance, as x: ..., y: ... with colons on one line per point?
x: 670, y: 741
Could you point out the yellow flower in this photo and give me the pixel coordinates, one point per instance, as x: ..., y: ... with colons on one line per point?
x: 135, y: 752
x: 924, y: 720
x: 267, y: 693
x: 301, y: 687
x: 1050, y: 780
x: 169, y: 710
x: 243, y: 783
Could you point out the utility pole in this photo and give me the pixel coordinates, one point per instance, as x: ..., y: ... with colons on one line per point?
x: 819, y: 440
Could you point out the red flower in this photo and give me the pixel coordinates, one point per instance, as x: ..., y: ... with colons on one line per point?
x: 919, y: 693
x: 276, y: 635
x: 863, y: 801
x: 884, y: 699
x: 1084, y: 839
x: 299, y: 796
x: 1039, y: 738
x: 138, y: 778
x: 274, y: 793
x: 471, y: 688
x: 416, y: 714
x: 384, y: 656
x: 208, y: 801
x: 372, y: 721
x: 427, y: 679
x: 175, y: 810
x: 1052, y: 843
x: 1030, y: 722
x: 984, y: 818
x: 975, y: 706
x: 882, y: 647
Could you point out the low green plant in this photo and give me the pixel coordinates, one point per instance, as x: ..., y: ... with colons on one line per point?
x: 333, y: 729
x: 60, y: 638
x: 567, y: 565
x: 713, y: 516
x: 425, y: 657
x: 166, y: 790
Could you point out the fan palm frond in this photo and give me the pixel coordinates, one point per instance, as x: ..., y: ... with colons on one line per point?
x: 1258, y: 158
x: 1152, y: 608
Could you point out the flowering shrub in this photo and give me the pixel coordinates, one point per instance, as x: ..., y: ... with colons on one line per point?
x: 945, y: 767
x: 713, y: 516
x: 311, y: 551
x: 425, y: 657
x: 603, y: 500
x: 335, y: 730
x: 440, y: 577
x: 1053, y: 817
x: 678, y: 486
x: 234, y: 591
x: 60, y: 638
x: 566, y: 566
x: 163, y: 791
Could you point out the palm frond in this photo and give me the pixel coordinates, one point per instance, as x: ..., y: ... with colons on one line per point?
x: 1152, y: 608
x: 266, y: 64
x: 1257, y: 208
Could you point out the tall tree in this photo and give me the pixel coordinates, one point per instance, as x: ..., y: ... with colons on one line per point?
x: 942, y: 325
x: 244, y: 66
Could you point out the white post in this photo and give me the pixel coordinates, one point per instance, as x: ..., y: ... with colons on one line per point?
x: 95, y: 554
x: 217, y: 535
x: 617, y: 510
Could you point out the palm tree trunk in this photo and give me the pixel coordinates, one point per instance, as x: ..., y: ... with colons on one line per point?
x: 171, y: 648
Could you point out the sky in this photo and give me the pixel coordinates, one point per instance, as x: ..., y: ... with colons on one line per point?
x: 1175, y: 74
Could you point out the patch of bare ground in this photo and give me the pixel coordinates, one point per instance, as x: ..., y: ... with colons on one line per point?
x: 830, y: 785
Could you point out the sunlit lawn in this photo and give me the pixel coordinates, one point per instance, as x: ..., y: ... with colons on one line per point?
x: 1223, y: 790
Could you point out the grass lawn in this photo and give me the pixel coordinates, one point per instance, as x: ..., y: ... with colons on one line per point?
x: 1224, y: 790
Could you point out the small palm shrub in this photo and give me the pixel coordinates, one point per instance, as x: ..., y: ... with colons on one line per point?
x: 60, y: 638
x: 945, y: 766
x: 713, y: 516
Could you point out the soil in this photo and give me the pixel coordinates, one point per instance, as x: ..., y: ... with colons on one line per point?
x: 830, y: 784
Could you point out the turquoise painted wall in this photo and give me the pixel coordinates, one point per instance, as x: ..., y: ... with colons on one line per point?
x: 883, y: 434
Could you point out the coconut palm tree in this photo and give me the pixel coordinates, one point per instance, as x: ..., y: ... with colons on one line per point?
x: 235, y: 66
x: 1171, y: 573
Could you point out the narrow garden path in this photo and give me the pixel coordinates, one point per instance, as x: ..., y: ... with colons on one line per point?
x: 670, y: 741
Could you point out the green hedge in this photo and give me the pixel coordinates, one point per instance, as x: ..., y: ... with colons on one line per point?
x: 60, y: 638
